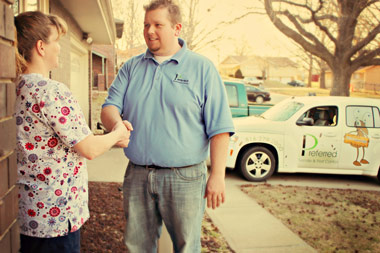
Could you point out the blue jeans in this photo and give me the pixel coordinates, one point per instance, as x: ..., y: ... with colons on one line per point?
x: 174, y: 196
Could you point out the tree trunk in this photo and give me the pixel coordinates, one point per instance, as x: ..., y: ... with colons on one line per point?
x: 341, y: 81
x: 322, y: 80
x: 310, y: 70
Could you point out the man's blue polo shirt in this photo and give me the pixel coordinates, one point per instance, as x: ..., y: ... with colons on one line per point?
x: 175, y: 107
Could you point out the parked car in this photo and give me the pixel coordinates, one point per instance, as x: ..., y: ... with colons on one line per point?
x: 257, y: 95
x: 253, y: 81
x: 297, y: 83
x: 332, y: 135
x: 238, y: 101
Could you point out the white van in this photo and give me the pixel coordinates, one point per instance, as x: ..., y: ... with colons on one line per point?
x: 337, y: 135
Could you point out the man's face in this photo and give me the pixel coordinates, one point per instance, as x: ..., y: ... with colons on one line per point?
x: 160, y: 35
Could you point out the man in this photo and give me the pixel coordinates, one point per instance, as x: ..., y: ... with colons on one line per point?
x: 177, y: 105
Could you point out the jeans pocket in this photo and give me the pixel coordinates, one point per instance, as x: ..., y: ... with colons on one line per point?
x: 192, y: 173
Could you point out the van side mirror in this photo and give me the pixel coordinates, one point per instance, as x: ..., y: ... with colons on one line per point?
x: 305, y: 122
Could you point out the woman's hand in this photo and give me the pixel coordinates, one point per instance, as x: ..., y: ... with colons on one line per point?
x: 123, y: 128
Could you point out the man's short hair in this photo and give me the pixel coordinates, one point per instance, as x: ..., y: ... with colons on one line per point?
x: 171, y: 5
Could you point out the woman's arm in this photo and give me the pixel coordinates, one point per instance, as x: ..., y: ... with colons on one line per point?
x: 93, y: 146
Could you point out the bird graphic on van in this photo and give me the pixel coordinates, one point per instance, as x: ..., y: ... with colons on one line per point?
x: 358, y: 139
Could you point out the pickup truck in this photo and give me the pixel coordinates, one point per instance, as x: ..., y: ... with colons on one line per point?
x: 238, y: 101
x: 332, y: 135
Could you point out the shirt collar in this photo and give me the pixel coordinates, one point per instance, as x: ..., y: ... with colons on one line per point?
x: 177, y: 57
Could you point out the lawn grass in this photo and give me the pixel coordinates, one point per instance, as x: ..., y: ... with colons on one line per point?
x: 329, y: 220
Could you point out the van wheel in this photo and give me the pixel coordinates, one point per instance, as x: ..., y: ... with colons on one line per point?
x: 259, y: 99
x: 257, y: 164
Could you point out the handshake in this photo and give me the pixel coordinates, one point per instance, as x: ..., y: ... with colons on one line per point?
x: 123, y: 130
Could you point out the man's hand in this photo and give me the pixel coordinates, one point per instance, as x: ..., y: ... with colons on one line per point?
x: 215, y: 191
x: 215, y: 188
x: 125, y: 128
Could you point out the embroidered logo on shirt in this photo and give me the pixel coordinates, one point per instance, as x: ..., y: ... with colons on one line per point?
x: 179, y: 78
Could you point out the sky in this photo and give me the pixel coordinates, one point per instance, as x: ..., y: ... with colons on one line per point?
x: 256, y: 31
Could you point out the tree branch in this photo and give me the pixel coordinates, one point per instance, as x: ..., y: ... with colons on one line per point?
x: 366, y: 59
x: 372, y: 35
x: 318, y: 49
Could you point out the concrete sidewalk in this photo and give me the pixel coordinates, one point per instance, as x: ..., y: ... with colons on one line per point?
x: 246, y: 226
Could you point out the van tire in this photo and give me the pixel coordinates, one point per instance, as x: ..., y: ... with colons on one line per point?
x: 257, y: 164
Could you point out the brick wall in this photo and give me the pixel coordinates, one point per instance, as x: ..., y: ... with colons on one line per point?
x: 98, y: 98
x: 108, y: 51
x: 9, y: 233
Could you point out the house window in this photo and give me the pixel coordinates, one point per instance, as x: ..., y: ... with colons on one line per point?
x: 99, y: 70
x: 16, y: 7
x: 31, y: 5
x: 20, y: 6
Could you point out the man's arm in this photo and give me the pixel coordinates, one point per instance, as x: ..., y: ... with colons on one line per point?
x: 110, y: 117
x: 215, y: 189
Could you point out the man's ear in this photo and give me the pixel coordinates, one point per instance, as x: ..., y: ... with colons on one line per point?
x: 40, y: 48
x: 178, y: 28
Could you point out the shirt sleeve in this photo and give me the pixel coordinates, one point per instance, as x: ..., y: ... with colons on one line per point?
x: 216, y: 111
x: 64, y: 114
x: 116, y: 92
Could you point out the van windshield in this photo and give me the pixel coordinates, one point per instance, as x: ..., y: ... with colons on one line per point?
x: 283, y: 110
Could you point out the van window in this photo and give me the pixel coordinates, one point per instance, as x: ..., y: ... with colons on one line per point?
x: 232, y: 95
x: 376, y: 116
x: 282, y: 111
x: 362, y: 116
x: 322, y: 115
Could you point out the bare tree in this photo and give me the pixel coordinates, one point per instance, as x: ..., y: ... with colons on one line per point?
x: 130, y: 11
x: 196, y: 31
x: 242, y: 46
x: 352, y: 28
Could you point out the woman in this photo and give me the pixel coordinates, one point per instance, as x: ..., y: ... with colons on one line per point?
x: 53, y: 141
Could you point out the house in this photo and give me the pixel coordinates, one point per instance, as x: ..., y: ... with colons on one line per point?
x: 231, y: 65
x: 363, y: 79
x: 282, y: 69
x: 89, y: 22
x: 272, y: 68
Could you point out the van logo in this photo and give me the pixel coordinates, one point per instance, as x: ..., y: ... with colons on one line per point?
x: 308, y: 147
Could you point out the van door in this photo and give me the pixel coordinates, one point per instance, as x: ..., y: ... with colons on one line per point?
x: 317, y: 145
x: 361, y: 139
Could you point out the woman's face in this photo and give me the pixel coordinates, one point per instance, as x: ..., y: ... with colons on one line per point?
x: 52, y: 49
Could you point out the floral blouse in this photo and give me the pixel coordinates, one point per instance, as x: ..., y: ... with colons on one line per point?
x: 52, y: 176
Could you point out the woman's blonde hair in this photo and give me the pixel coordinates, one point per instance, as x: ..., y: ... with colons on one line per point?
x: 31, y: 27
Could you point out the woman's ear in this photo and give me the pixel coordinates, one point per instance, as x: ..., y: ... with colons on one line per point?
x: 40, y: 48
